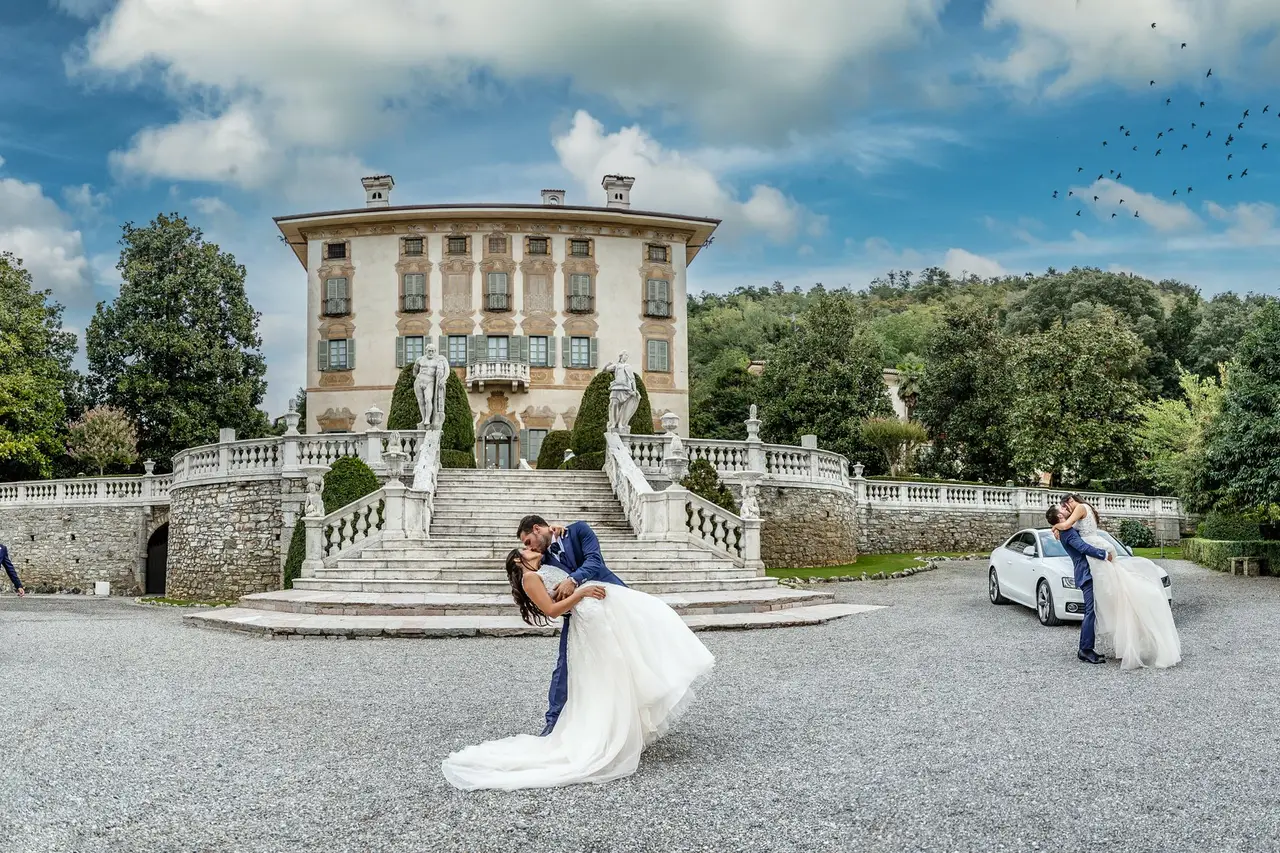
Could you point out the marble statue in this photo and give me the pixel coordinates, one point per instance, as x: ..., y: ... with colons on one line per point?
x: 315, y: 503
x: 624, y: 397
x: 430, y: 375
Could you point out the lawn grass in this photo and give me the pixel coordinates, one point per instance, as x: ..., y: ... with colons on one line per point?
x: 1171, y: 552
x: 869, y: 563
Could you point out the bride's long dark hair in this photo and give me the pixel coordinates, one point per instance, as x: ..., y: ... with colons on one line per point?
x: 529, y: 611
x: 1074, y: 497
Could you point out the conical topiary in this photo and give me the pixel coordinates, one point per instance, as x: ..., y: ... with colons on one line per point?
x: 551, y: 454
x: 593, y: 420
x: 704, y: 482
x: 404, y: 403
x: 458, y: 438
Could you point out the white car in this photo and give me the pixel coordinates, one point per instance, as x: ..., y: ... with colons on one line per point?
x: 1032, y: 568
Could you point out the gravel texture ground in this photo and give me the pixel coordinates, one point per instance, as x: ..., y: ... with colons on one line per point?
x: 940, y: 723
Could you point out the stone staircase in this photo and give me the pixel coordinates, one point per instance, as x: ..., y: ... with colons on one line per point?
x: 451, y: 581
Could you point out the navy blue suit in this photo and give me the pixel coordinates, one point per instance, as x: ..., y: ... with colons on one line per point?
x: 8, y: 567
x: 1079, y: 550
x: 580, y: 557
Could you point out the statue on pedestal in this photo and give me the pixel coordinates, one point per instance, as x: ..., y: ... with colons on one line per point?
x: 430, y: 375
x: 314, y: 507
x: 624, y: 397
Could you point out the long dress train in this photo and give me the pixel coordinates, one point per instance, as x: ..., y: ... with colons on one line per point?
x: 632, y: 664
x: 1132, y: 610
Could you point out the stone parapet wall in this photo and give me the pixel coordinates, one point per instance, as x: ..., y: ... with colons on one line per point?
x: 225, y: 540
x: 806, y: 526
x: 70, y: 547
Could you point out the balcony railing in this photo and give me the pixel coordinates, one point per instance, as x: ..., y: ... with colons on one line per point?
x: 657, y: 308
x: 411, y: 302
x: 513, y: 373
x: 497, y: 302
x: 337, y: 307
x: 581, y: 304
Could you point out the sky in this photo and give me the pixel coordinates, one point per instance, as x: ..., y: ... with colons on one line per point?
x: 836, y: 139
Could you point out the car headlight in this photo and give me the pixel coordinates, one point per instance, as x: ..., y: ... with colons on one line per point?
x: 1069, y: 583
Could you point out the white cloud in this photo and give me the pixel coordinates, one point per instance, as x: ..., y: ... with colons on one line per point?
x: 1062, y: 46
x: 1124, y: 201
x: 1249, y: 223
x: 34, y: 228
x: 84, y: 202
x: 667, y: 179
x: 961, y: 263
x: 229, y: 147
x: 211, y: 206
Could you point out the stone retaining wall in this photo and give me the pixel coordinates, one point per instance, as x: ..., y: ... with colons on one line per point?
x: 801, y: 526
x: 224, y: 540
x: 67, y: 548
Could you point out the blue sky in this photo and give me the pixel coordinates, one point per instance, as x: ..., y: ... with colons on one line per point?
x: 836, y: 142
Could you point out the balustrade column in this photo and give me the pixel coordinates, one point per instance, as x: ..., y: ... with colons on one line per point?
x: 226, y: 435
x: 751, y: 545
x: 943, y: 496
x: 755, y: 448
x: 314, y: 553
x: 148, y: 478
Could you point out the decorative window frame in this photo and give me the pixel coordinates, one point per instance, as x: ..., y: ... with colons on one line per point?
x: 413, y: 265
x: 502, y: 262
x: 457, y: 265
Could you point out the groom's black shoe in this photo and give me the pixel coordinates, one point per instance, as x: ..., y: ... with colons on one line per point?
x: 1090, y: 656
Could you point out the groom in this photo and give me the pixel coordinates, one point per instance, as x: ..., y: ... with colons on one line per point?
x: 1079, y: 550
x: 574, y: 549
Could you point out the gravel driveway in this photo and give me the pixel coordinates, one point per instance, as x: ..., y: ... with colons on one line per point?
x: 939, y: 723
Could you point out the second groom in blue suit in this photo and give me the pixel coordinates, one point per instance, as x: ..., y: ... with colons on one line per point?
x: 576, y: 550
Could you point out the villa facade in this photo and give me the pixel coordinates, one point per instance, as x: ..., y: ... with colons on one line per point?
x: 527, y: 301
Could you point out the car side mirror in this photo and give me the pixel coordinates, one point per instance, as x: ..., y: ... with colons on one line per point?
x: 1029, y: 551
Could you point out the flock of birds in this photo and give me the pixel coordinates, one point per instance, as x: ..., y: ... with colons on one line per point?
x: 1165, y: 138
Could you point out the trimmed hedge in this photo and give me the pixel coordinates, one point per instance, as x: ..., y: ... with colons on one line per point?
x: 1135, y: 534
x: 457, y: 459
x: 459, y: 430
x: 585, y: 462
x: 1229, y: 527
x: 551, y: 454
x: 704, y: 482
x: 1216, y: 554
x: 593, y: 415
x: 347, y: 481
x: 404, y: 403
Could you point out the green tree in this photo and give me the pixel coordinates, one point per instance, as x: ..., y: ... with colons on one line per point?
x: 910, y: 375
x: 824, y: 379
x: 551, y: 454
x: 895, y: 439
x: 178, y: 349
x: 458, y: 434
x: 1172, y: 436
x: 718, y: 405
x: 589, y: 428
x: 101, y: 437
x: 1076, y: 408
x: 405, y: 413
x: 1244, y: 448
x: 1224, y: 321
x: 37, y: 383
x: 965, y: 396
x: 703, y: 481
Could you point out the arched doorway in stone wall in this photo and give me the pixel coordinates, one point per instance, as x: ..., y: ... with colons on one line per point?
x: 498, y: 445
x: 157, y: 560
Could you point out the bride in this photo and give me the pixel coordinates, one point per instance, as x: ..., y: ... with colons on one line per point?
x: 632, y: 663
x: 1132, y: 610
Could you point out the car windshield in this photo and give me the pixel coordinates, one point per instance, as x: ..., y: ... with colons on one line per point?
x: 1053, y: 548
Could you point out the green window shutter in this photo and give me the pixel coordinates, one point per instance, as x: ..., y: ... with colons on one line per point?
x: 351, y: 354
x: 664, y: 359
x: 524, y: 444
x: 566, y: 350
x: 595, y: 353
x: 520, y: 349
x: 443, y: 348
x: 551, y: 351
x: 399, y: 352
x: 478, y: 351
x: 322, y: 356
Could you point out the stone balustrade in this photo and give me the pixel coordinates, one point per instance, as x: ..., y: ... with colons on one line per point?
x: 149, y: 489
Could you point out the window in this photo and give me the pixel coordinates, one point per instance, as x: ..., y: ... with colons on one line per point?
x: 409, y: 349
x: 580, y: 248
x: 458, y: 350
x: 497, y: 245
x: 539, y: 351
x: 457, y: 245
x: 579, y: 352
x: 335, y: 251
x: 498, y: 347
x: 580, y: 293
x: 658, y: 358
x: 539, y: 246
x: 415, y: 292
x: 657, y: 298
x: 497, y: 292
x: 533, y: 442
x: 658, y: 254
x: 336, y: 355
x: 336, y: 298
x: 413, y: 245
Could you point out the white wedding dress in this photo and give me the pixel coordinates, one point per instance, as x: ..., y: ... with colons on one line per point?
x: 1130, y: 605
x: 632, y: 664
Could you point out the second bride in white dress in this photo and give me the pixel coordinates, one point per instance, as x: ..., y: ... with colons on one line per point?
x: 632, y: 664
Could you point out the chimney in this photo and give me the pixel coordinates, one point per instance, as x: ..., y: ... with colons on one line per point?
x: 617, y: 190
x: 553, y: 198
x: 377, y: 190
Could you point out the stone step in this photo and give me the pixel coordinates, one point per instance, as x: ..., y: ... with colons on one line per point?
x: 506, y: 528
x: 433, y: 604
x: 497, y: 587
x: 301, y: 625
x: 479, y: 548
x: 414, y: 571
x: 518, y: 474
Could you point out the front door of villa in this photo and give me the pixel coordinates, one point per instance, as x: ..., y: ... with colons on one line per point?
x: 499, y: 446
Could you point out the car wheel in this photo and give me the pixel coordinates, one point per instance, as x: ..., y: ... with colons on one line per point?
x: 993, y: 588
x: 1045, y: 607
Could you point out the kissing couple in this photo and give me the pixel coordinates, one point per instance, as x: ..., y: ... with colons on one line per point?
x: 632, y: 658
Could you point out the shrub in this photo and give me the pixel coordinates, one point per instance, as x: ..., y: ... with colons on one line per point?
x: 347, y: 481
x: 593, y: 415
x: 703, y: 481
x: 404, y: 403
x: 1135, y: 534
x: 459, y: 431
x: 895, y: 439
x: 551, y: 454
x: 1229, y: 526
x: 457, y: 459
x: 297, y: 551
x: 585, y: 462
x: 1217, y: 554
